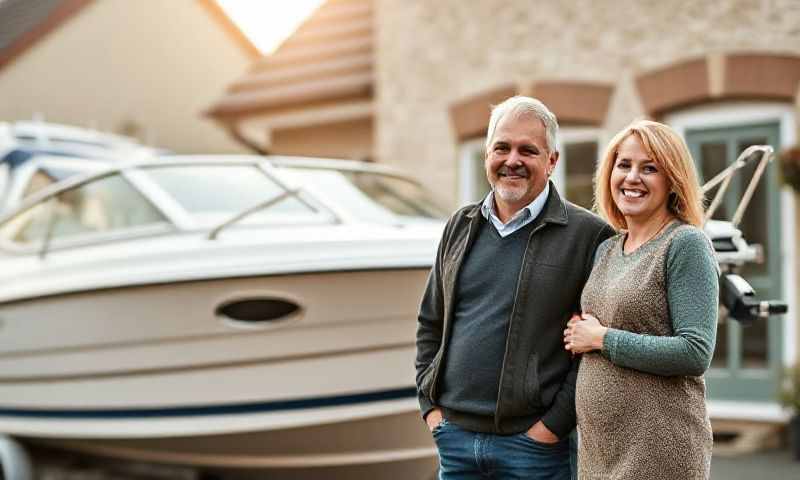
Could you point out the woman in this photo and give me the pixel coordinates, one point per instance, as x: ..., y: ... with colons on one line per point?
x: 649, y: 317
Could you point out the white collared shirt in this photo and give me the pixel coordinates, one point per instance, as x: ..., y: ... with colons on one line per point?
x: 523, y: 217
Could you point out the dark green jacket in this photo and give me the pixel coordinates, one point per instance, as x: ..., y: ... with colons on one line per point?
x: 537, y: 380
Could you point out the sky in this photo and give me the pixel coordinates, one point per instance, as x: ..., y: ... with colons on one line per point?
x: 268, y: 22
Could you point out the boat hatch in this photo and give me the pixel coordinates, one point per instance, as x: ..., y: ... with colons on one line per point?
x: 255, y: 311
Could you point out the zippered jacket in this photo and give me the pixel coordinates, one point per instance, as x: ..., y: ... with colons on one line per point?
x: 537, y: 380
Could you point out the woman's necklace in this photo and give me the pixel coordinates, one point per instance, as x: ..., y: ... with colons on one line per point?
x: 652, y: 236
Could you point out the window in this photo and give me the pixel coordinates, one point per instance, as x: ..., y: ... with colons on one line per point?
x: 574, y: 173
x: 104, y: 205
x: 472, y: 173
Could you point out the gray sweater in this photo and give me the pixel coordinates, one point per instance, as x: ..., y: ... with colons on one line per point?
x: 484, y: 298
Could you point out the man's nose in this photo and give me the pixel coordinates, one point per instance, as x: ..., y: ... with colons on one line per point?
x: 513, y: 158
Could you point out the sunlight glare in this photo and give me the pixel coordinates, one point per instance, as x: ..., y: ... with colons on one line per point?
x: 267, y: 23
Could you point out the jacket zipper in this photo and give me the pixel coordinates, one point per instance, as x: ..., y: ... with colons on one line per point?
x: 510, y: 321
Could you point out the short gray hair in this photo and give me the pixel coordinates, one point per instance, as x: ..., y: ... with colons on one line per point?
x: 521, y: 106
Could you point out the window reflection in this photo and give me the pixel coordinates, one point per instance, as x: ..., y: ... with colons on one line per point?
x: 720, y: 358
x: 214, y: 193
x: 754, y: 223
x: 104, y: 205
x: 368, y: 196
x: 714, y: 160
x: 581, y: 158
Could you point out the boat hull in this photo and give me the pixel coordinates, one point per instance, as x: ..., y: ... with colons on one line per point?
x: 156, y: 373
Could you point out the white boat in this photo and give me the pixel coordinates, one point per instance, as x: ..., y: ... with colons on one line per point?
x: 37, y: 154
x: 237, y: 313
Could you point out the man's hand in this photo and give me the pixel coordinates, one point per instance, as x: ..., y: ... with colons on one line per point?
x: 541, y: 433
x: 434, y: 418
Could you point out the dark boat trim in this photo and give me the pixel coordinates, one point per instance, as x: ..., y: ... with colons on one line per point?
x: 241, y: 408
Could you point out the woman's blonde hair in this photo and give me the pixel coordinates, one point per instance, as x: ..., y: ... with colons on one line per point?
x: 668, y: 150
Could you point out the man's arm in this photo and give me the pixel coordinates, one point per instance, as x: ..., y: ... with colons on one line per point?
x: 560, y: 418
x: 430, y: 323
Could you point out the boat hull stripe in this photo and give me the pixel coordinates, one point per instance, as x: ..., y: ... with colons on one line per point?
x: 241, y: 408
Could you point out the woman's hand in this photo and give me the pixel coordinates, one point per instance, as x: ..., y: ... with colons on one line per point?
x: 584, y: 334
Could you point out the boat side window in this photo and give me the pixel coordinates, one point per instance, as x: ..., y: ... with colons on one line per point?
x: 105, y: 205
x: 41, y: 178
x: 401, y: 197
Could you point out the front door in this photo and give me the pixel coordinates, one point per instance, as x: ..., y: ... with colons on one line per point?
x: 747, y: 360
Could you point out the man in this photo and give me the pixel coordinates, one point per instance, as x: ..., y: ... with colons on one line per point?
x: 495, y: 385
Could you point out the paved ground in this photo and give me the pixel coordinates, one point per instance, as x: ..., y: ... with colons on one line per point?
x: 767, y: 465
x: 53, y: 465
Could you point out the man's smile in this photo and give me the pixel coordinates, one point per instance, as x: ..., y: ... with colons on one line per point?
x: 512, y: 173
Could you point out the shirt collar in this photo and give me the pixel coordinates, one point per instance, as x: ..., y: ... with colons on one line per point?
x: 532, y: 210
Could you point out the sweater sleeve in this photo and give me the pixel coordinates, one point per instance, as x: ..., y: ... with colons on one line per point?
x: 692, y: 283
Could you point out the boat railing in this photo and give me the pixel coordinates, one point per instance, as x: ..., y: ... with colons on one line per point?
x: 736, y: 294
x: 725, y: 176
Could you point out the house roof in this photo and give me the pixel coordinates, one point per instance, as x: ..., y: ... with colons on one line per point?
x: 25, y: 22
x: 328, y: 58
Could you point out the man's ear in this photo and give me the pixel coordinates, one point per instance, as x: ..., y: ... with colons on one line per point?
x: 553, y: 160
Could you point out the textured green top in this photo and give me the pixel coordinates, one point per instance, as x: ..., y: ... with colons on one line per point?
x: 692, y: 293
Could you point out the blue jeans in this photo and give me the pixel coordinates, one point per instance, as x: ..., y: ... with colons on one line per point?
x: 465, y: 455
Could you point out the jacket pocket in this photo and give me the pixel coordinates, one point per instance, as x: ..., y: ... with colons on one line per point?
x: 533, y: 395
x: 426, y: 380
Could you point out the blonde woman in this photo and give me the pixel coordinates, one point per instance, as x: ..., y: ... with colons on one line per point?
x: 649, y: 316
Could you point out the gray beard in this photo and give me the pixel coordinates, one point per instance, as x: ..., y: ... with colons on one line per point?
x: 511, y: 195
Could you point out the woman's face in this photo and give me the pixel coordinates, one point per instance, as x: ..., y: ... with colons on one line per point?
x: 639, y: 185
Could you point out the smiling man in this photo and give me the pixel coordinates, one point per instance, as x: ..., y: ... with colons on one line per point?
x: 496, y: 388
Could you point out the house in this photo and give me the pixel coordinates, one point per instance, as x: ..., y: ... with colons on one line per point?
x: 143, y: 69
x: 314, y: 95
x: 410, y: 84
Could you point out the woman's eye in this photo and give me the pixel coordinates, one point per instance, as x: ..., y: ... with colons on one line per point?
x: 650, y: 169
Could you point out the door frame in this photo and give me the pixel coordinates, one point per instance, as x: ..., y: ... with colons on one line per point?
x: 734, y: 114
x: 736, y: 380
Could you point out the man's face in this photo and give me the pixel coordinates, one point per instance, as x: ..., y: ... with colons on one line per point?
x: 518, y: 162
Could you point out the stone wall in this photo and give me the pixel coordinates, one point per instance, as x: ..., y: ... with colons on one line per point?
x: 431, y: 54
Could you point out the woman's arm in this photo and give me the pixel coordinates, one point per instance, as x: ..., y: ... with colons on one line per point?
x: 692, y: 295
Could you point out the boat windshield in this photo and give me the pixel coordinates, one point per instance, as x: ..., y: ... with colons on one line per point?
x: 212, y: 194
x: 368, y: 196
